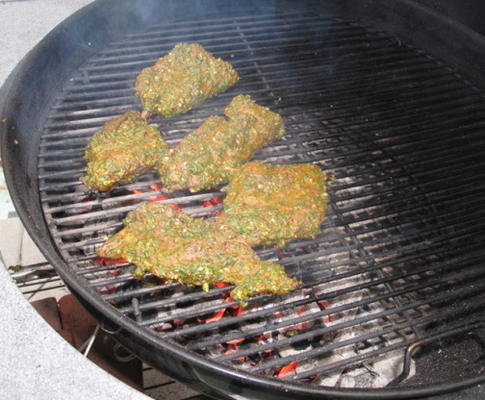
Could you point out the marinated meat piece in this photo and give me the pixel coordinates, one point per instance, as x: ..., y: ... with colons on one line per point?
x: 274, y: 204
x: 209, y: 155
x: 184, y: 78
x: 171, y: 245
x: 124, y: 148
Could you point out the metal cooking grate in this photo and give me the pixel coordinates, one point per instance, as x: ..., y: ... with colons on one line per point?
x: 399, y: 259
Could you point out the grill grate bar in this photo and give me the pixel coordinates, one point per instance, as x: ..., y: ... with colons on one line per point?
x: 272, y: 65
x: 306, y: 73
x: 252, y: 22
x: 406, y: 209
x: 216, y: 23
x: 314, y: 278
x: 322, y: 331
x: 427, y: 252
x: 387, y: 349
x: 331, y: 112
x: 152, y: 49
x: 446, y: 103
x: 229, y: 321
x: 472, y: 130
x: 201, y: 344
x: 438, y: 87
x: 314, y: 281
x: 111, y: 81
x: 289, y: 101
x: 106, y: 73
x: 409, y: 225
x: 333, y: 87
x: 475, y: 254
x: 356, y: 220
x: 459, y: 122
x: 340, y: 40
x: 124, y: 81
x: 137, y: 196
x: 183, y: 200
x: 281, y: 143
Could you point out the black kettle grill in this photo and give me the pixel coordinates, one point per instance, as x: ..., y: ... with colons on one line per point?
x: 386, y: 95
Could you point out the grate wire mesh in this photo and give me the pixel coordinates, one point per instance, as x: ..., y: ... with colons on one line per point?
x: 401, y: 253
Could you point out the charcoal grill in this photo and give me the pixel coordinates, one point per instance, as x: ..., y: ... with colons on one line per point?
x: 398, y: 266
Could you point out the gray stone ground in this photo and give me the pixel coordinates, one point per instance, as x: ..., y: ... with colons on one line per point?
x: 35, y: 362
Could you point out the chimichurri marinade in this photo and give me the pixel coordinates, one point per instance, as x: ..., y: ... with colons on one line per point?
x: 265, y: 204
x: 184, y: 78
x: 212, y: 153
x: 124, y: 148
x: 171, y: 245
x: 274, y: 204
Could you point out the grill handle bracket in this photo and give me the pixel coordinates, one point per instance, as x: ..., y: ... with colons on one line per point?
x: 414, y: 347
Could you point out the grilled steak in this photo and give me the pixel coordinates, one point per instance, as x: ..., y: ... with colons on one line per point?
x: 124, y: 148
x: 170, y: 244
x: 211, y: 154
x: 185, y: 77
x: 274, y: 204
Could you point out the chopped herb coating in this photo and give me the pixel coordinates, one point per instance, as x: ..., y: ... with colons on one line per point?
x: 274, y: 204
x: 212, y: 153
x: 184, y: 78
x: 124, y: 148
x: 171, y: 245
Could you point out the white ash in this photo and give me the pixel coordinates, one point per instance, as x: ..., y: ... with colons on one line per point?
x: 368, y: 374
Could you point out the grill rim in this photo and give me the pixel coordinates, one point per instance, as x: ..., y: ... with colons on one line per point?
x: 130, y: 333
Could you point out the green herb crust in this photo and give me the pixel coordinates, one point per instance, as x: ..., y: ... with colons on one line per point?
x: 124, y: 148
x: 184, y: 78
x: 212, y: 153
x: 274, y: 204
x: 171, y: 245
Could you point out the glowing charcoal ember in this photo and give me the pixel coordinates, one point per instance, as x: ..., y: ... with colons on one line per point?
x: 209, y: 203
x: 87, y: 207
x: 121, y: 150
x: 109, y: 261
x: 236, y: 309
x: 236, y: 341
x: 301, y: 310
x: 286, y: 370
x: 157, y: 198
x: 106, y: 290
x: 212, y: 153
x: 230, y: 349
x: 274, y: 204
x: 182, y: 79
x: 213, y: 318
x: 171, y: 245
x: 305, y: 321
x: 175, y: 206
x: 324, y: 305
x: 304, y: 326
x: 261, y: 337
x: 156, y: 187
x: 267, y: 353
